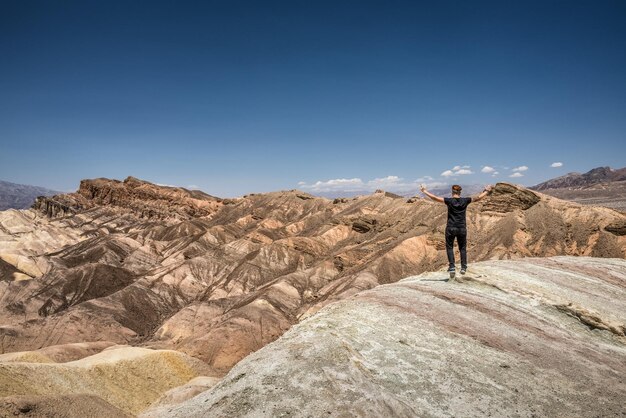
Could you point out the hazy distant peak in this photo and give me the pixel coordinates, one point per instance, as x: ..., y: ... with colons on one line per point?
x: 20, y: 196
x: 576, y: 180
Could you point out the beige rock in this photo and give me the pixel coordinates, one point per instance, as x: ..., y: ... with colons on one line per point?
x: 500, y: 343
x: 129, y: 378
x: 219, y: 280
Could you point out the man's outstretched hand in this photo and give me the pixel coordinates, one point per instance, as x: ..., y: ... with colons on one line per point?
x: 488, y: 188
x: 422, y: 188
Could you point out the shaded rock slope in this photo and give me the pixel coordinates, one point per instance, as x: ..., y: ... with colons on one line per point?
x: 130, y: 262
x: 518, y: 338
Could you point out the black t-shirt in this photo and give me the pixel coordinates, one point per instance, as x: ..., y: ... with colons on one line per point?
x: 456, y: 210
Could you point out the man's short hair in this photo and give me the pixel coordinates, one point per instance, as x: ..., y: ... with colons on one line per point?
x: 456, y: 189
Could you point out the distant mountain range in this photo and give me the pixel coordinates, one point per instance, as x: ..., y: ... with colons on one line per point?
x: 577, y: 180
x: 601, y: 186
x: 21, y: 196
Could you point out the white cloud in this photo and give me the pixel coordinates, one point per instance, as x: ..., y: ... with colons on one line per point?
x: 556, y: 165
x: 459, y: 167
x: 193, y: 187
x: 463, y: 171
x: 520, y: 168
x: 487, y: 169
x: 495, y: 173
x: 457, y: 170
x: 348, y: 185
x: 356, y: 185
x: 517, y: 174
x: 381, y: 183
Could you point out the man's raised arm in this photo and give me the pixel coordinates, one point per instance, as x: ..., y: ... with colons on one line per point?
x: 483, y: 194
x: 429, y: 194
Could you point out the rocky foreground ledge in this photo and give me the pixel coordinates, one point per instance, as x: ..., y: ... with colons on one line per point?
x: 532, y: 337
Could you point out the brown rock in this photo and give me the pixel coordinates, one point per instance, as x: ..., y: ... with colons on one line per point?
x: 220, y: 281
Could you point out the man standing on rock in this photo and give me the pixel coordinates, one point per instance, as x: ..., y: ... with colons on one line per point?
x: 456, y: 226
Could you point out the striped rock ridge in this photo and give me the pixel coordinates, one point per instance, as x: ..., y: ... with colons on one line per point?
x: 521, y: 338
x: 129, y: 262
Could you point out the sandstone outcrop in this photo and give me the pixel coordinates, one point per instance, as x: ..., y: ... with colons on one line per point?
x: 167, y: 268
x: 129, y: 379
x: 517, y: 338
x: 144, y: 199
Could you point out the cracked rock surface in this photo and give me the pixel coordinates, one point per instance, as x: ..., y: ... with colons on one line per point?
x: 499, y: 343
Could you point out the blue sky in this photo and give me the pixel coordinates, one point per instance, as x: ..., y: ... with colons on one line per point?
x: 236, y: 97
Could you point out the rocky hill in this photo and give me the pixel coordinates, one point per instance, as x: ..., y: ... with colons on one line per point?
x: 519, y: 338
x: 602, y: 186
x: 20, y: 196
x: 577, y: 180
x: 134, y: 263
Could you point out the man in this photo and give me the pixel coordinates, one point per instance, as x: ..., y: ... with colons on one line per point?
x: 456, y: 226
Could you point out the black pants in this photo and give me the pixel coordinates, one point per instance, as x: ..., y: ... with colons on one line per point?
x: 461, y: 237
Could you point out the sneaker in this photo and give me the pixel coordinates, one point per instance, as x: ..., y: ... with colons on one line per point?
x: 463, y: 270
x: 452, y: 272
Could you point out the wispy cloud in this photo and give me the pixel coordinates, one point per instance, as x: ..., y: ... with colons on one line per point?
x: 556, y: 165
x: 193, y: 187
x: 487, y: 169
x: 356, y: 185
x: 457, y: 170
x: 346, y: 185
x: 516, y: 174
x: 459, y: 167
x: 520, y: 168
x: 463, y: 172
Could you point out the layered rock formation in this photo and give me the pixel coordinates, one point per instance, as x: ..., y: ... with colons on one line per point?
x: 518, y: 338
x: 144, y: 199
x: 135, y: 263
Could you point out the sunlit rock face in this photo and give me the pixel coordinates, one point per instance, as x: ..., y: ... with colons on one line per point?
x: 130, y: 262
x: 115, y: 382
x: 532, y: 337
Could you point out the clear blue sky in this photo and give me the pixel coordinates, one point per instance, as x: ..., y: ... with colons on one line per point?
x: 235, y: 97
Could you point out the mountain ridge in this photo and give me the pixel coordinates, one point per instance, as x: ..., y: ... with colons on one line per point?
x: 577, y: 180
x: 601, y: 186
x: 21, y: 196
x: 218, y: 279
